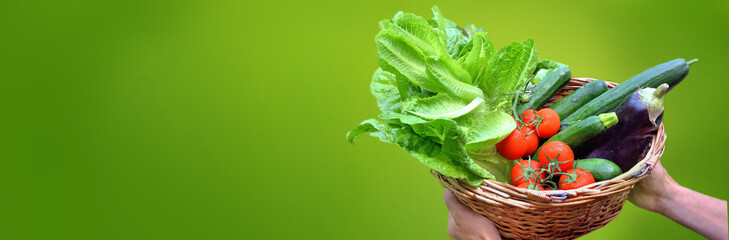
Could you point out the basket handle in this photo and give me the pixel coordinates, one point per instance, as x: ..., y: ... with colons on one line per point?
x: 559, y: 196
x: 640, y: 172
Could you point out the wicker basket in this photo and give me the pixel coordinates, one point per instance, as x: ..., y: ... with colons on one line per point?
x: 560, y: 214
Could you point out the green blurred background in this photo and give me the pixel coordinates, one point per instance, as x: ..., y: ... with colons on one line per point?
x: 226, y: 119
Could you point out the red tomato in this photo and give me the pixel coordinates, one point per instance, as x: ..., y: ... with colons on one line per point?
x: 575, y: 178
x: 527, y: 169
x: 526, y: 185
x: 556, y: 155
x: 531, y: 139
x: 513, y: 146
x: 529, y: 116
x: 549, y: 125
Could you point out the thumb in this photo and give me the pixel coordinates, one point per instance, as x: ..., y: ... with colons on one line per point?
x: 450, y: 199
x: 458, y: 210
x: 468, y: 222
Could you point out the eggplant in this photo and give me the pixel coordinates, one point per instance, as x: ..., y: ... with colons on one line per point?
x: 629, y: 140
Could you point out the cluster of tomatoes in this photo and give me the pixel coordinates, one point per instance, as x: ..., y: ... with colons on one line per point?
x: 531, y: 126
x: 554, y: 161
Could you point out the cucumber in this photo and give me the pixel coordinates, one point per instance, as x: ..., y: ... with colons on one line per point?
x: 582, y: 131
x: 577, y: 99
x: 552, y: 83
x: 601, y: 169
x: 671, y: 72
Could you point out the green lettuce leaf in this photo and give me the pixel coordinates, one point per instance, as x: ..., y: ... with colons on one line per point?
x: 489, y: 129
x: 549, y: 64
x: 440, y: 23
x: 455, y: 40
x: 509, y: 71
x: 416, y: 30
x: 432, y: 129
x: 490, y: 160
x: 407, y: 89
x: 532, y: 59
x: 451, y: 35
x: 384, y: 88
x: 440, y: 106
x: 544, y: 67
x: 475, y: 56
x: 375, y: 128
x: 452, y: 78
x: 397, y: 55
x: 442, y: 90
x: 439, y: 74
x: 453, y: 147
x: 450, y: 158
x: 402, y: 118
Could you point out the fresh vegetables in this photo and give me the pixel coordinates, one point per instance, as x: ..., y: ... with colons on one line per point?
x: 538, y: 77
x: 575, y: 178
x: 552, y: 83
x: 569, y: 104
x: 532, y: 125
x: 575, y: 135
x: 671, y: 73
x: 600, y: 169
x: 513, y: 146
x: 538, y: 175
x: 548, y: 124
x: 462, y: 108
x: 549, y: 64
x: 444, y: 92
x: 626, y: 142
x: 556, y: 156
x: 528, y: 117
x: 532, y: 141
x: 526, y: 171
x: 509, y: 71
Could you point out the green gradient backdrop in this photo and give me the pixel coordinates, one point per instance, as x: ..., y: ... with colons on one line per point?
x: 194, y: 120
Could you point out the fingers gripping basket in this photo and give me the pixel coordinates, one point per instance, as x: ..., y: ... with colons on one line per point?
x: 561, y: 214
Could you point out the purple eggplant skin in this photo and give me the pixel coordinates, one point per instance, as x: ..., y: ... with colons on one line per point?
x: 627, y: 142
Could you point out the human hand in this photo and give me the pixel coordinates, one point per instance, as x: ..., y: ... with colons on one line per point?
x: 652, y: 192
x: 463, y: 223
x: 701, y: 213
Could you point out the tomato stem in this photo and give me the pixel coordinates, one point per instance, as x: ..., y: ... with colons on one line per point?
x: 530, y: 175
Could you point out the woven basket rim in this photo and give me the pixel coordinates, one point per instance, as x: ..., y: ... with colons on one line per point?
x: 521, y: 196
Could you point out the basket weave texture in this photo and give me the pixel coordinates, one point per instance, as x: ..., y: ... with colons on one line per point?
x: 521, y: 213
